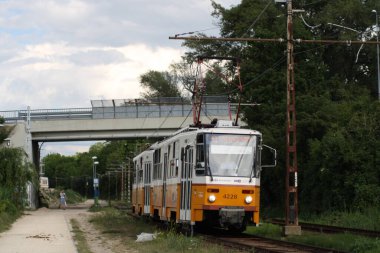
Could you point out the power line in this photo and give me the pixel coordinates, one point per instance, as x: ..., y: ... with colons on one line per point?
x: 310, y: 26
x: 198, y: 31
x: 279, y: 40
x: 257, y: 18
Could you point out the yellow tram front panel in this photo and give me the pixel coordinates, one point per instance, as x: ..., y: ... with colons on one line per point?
x: 225, y: 196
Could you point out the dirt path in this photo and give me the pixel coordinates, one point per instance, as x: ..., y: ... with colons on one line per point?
x: 42, y: 231
x: 49, y: 231
x: 94, y: 238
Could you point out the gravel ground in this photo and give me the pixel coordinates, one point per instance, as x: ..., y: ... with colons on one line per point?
x: 49, y: 231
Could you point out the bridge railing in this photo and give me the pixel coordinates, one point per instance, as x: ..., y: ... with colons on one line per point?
x: 126, y: 108
x: 47, y: 114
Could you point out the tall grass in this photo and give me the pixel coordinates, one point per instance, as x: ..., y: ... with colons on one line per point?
x: 9, y: 212
x: 366, y: 219
x: 344, y: 242
x: 79, y: 237
x: 171, y: 242
x: 73, y: 197
x: 118, y: 224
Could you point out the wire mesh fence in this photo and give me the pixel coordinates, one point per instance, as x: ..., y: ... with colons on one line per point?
x: 112, y: 185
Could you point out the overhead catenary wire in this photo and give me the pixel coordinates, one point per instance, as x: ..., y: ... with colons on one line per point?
x: 310, y: 26
x: 163, y: 122
x: 278, y: 40
x: 275, y: 65
x: 198, y: 31
x: 185, y: 118
x: 257, y: 18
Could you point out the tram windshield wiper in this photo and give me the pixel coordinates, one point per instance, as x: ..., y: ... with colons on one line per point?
x: 253, y: 169
x: 209, y: 170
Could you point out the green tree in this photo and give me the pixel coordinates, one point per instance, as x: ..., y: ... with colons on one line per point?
x: 337, y: 138
x: 159, y: 84
x: 15, y: 173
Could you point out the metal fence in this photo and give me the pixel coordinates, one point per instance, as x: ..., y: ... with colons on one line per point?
x: 126, y: 108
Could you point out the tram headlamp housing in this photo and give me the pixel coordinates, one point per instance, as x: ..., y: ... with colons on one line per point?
x: 211, y: 198
x: 248, y: 199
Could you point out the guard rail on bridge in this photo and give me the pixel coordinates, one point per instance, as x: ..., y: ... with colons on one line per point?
x: 125, y: 108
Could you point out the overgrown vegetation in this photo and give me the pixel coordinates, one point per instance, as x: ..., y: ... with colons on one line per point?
x: 76, y: 172
x: 118, y: 224
x: 51, y: 198
x: 337, y: 105
x: 79, y: 237
x: 15, y: 173
x: 9, y: 212
x: 344, y: 242
x: 338, y: 111
x: 365, y: 219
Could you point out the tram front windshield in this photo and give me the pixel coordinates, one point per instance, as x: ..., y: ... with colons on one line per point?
x: 231, y: 155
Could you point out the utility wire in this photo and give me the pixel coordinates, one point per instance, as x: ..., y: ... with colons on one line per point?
x: 163, y: 122
x: 257, y: 18
x: 316, y: 2
x: 275, y: 65
x: 310, y: 26
x: 198, y: 31
x: 185, y: 118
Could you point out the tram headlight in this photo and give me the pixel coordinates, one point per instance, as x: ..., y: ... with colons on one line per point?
x: 211, y: 198
x: 248, y: 199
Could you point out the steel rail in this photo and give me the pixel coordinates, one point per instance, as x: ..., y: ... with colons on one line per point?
x: 330, y: 229
x: 260, y: 244
x: 246, y: 242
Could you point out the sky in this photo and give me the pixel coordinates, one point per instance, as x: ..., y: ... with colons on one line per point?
x: 65, y: 53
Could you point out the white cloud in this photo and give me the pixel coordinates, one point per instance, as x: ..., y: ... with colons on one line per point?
x: 63, y: 53
x: 63, y: 76
x: 65, y: 148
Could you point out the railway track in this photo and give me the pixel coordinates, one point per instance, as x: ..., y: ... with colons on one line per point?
x: 330, y: 229
x: 257, y: 244
x: 253, y: 243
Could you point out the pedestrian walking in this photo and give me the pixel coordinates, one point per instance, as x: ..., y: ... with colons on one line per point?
x: 62, y: 200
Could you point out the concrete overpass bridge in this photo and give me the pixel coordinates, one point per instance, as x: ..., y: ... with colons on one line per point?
x: 107, y: 120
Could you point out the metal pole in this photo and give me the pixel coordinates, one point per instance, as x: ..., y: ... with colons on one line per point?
x: 93, y: 179
x: 122, y: 184
x: 95, y: 187
x: 109, y: 188
x: 291, y: 197
x: 94, y: 163
x: 129, y: 180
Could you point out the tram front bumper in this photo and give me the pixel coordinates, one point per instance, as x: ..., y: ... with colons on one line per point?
x: 229, y: 216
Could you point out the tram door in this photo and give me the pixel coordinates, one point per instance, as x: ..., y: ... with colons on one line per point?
x: 147, y: 181
x: 164, y: 185
x: 186, y: 179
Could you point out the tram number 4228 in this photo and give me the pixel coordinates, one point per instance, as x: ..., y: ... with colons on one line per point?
x: 230, y: 196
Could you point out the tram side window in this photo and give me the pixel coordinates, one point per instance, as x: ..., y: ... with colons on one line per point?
x: 137, y: 170
x: 140, y: 175
x: 200, y: 157
x: 176, y: 157
x: 157, y: 168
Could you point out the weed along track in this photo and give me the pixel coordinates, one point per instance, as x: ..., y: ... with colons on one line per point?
x: 331, y: 229
x: 261, y: 244
x: 246, y: 242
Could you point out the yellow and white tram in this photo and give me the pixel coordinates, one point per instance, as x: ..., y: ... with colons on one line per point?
x: 201, y: 175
